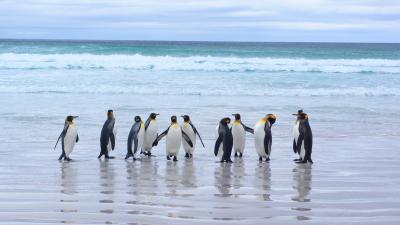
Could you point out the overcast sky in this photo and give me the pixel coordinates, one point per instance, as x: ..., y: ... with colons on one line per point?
x: 203, y: 20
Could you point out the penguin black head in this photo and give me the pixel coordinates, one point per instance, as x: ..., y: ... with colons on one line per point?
x: 138, y: 119
x: 299, y: 112
x: 271, y: 118
x: 154, y: 115
x: 303, y: 116
x: 226, y: 120
x: 173, y: 119
x: 71, y: 118
x: 186, y: 118
x: 237, y: 116
x: 110, y: 113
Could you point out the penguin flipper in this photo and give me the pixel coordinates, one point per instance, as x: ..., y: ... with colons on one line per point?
x: 187, y: 139
x: 218, y: 143
x: 66, y: 126
x: 300, y: 140
x: 112, y: 139
x: 248, y: 129
x: 197, y: 133
x: 77, y: 138
x: 267, y: 139
x: 135, y: 144
x: 159, y: 137
x: 147, y: 123
x: 63, y: 132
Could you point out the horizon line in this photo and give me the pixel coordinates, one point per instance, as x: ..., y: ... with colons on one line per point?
x: 188, y: 41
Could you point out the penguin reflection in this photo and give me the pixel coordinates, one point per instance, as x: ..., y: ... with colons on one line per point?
x: 302, y: 177
x: 107, y: 175
x: 263, y: 180
x: 68, y: 188
x: 68, y: 178
x: 132, y: 174
x: 238, y: 171
x: 171, y: 176
x: 223, y: 178
x: 188, y: 174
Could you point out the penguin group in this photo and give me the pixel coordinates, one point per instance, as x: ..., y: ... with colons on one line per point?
x: 143, y: 136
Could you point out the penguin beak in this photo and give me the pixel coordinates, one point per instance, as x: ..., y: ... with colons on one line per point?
x: 157, y: 114
x: 183, y: 116
x: 75, y: 117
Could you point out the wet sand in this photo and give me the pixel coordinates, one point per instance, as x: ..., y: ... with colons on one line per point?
x: 354, y: 180
x: 200, y: 191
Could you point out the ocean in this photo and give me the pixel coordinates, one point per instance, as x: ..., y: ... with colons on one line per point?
x: 351, y: 92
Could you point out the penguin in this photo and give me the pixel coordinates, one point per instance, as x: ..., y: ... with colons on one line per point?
x: 225, y: 138
x: 296, y: 134
x: 174, y: 135
x: 191, y: 131
x: 107, y: 137
x: 239, y: 135
x: 69, y: 136
x: 305, y: 139
x: 263, y: 136
x: 135, y: 137
x: 150, y: 134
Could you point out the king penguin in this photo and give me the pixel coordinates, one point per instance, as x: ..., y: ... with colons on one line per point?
x: 305, y: 139
x: 239, y: 135
x: 191, y: 131
x: 296, y: 134
x: 150, y: 134
x: 224, y: 143
x: 174, y: 135
x: 69, y: 136
x: 263, y: 136
x: 135, y: 138
x: 107, y: 137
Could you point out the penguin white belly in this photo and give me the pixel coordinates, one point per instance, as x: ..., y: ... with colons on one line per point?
x: 140, y: 137
x: 221, y: 146
x: 259, y: 136
x: 296, y: 135
x: 239, y: 137
x: 70, y: 140
x: 190, y: 132
x: 174, y: 140
x: 109, y: 141
x: 150, y: 135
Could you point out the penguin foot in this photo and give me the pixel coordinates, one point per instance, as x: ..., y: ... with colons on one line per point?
x: 302, y: 162
x: 260, y: 159
x: 100, y: 156
x: 168, y: 158
x: 190, y: 156
x: 187, y: 155
x: 175, y: 159
x: 68, y: 159
x: 229, y: 161
x: 128, y: 156
x: 110, y: 157
x: 134, y: 158
x: 240, y: 155
x: 296, y: 160
x: 310, y: 161
x: 236, y: 155
x: 267, y: 160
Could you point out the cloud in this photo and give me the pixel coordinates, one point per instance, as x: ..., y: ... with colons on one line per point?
x: 207, y: 19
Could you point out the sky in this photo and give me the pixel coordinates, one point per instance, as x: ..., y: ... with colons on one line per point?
x: 203, y: 20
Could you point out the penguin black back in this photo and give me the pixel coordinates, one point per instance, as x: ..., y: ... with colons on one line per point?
x: 225, y: 137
